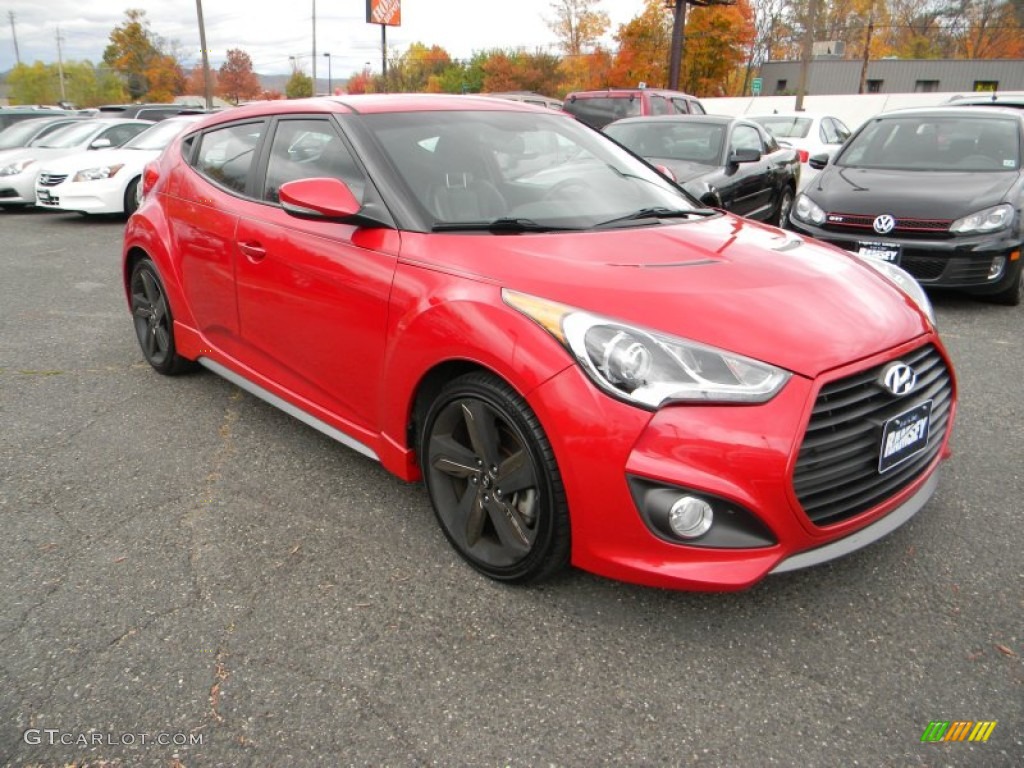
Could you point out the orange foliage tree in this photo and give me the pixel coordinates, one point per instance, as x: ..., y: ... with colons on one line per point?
x: 236, y: 81
x: 644, y: 46
x: 718, y: 40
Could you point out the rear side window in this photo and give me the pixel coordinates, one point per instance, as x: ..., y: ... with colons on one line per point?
x: 119, y: 134
x: 660, y: 105
x: 225, y: 155
x: 598, y: 112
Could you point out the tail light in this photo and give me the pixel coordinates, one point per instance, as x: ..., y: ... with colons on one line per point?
x: 149, y: 177
x: 804, y: 155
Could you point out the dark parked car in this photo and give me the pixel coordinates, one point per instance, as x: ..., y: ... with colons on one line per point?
x: 11, y: 115
x: 724, y: 162
x: 598, y: 108
x: 153, y: 112
x: 583, y: 366
x: 938, y: 191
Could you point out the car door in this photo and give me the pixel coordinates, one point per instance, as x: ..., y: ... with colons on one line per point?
x: 747, y: 190
x: 313, y: 294
x: 203, y: 208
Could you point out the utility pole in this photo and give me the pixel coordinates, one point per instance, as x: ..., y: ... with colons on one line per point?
x: 314, y: 47
x: 207, y: 90
x: 14, y: 34
x: 678, y: 44
x: 60, y: 67
x: 867, y: 49
x: 808, y: 52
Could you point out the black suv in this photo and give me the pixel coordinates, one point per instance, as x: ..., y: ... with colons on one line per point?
x: 938, y: 191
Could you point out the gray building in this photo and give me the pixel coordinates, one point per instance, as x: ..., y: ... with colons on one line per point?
x: 842, y: 76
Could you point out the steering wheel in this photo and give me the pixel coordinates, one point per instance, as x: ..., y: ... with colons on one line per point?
x: 567, y: 188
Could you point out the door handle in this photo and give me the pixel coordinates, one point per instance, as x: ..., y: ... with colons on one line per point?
x: 254, y: 251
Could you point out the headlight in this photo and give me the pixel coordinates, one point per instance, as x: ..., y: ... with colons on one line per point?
x: 904, y: 280
x: 808, y: 210
x: 648, y: 368
x: 15, y: 168
x: 95, y: 174
x: 989, y: 220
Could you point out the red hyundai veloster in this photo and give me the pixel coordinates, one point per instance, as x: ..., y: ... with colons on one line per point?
x: 581, y: 363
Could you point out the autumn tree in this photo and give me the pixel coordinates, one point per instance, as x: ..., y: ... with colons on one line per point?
x: 718, y: 38
x: 194, y: 83
x: 645, y: 42
x: 578, y: 24
x: 514, y: 70
x: 138, y: 55
x: 360, y: 82
x: 235, y: 80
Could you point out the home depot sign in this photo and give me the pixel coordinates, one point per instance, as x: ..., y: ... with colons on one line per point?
x: 384, y: 12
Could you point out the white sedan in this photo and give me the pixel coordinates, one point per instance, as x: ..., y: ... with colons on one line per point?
x: 808, y: 133
x: 108, y: 182
x: 20, y: 169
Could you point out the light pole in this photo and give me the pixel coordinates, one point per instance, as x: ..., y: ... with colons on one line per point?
x: 330, y: 89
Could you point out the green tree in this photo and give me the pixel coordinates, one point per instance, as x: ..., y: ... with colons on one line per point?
x: 84, y: 84
x: 36, y: 84
x: 299, y: 86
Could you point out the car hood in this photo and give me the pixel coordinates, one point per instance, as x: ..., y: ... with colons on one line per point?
x: 912, y: 194
x: 81, y: 160
x: 724, y: 281
x: 684, y: 170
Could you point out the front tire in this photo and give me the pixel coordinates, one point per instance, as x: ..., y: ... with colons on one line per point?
x: 131, y: 197
x: 493, y: 481
x: 154, y: 324
x: 785, y: 205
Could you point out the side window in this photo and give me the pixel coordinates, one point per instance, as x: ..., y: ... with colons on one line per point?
x: 746, y: 137
x: 696, y: 108
x: 660, y: 105
x: 842, y: 132
x: 679, y: 106
x: 225, y: 154
x: 309, y: 149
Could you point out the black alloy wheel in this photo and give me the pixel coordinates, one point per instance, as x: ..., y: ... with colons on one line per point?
x: 493, y: 481
x: 154, y: 325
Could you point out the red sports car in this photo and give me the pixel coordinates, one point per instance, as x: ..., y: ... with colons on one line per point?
x: 582, y: 364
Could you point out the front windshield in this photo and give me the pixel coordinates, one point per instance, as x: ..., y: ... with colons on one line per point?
x: 784, y: 127
x: 69, y: 136
x: 18, y: 134
x: 672, y: 140
x: 935, y: 143
x: 159, y: 136
x: 464, y: 167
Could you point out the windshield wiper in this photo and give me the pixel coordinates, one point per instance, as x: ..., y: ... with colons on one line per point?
x: 657, y: 212
x: 508, y: 224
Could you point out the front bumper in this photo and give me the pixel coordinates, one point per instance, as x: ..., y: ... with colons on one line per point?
x: 743, y: 455
x: 969, y: 263
x: 101, y: 196
x: 19, y: 189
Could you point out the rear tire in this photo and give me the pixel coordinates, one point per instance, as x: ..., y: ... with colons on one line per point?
x: 785, y: 204
x: 154, y: 324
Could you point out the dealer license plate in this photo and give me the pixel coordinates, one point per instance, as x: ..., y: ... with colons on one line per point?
x: 882, y: 251
x: 904, y: 436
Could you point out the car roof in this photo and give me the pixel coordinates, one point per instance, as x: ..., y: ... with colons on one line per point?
x: 947, y: 111
x: 621, y: 92
x: 372, y: 104
x: 713, y: 119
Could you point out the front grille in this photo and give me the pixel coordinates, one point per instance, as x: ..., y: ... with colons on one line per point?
x: 836, y: 474
x: 924, y: 267
x: 51, y: 179
x: 857, y: 223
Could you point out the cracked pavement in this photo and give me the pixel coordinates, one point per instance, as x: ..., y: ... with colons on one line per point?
x: 181, y: 558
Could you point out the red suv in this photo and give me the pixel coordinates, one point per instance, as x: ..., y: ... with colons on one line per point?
x: 581, y: 364
x: 598, y: 108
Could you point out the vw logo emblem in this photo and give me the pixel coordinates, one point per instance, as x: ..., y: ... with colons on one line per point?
x: 884, y: 224
x: 899, y: 378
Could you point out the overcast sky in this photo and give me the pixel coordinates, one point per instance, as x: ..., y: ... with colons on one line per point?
x: 270, y: 32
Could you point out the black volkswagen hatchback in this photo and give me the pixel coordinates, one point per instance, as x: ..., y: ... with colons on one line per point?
x: 938, y: 191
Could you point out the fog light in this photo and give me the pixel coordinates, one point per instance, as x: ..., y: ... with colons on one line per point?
x: 998, y: 264
x: 690, y: 517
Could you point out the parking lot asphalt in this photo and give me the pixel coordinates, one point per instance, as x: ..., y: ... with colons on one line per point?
x: 192, y: 578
